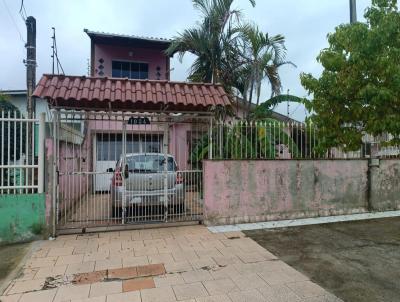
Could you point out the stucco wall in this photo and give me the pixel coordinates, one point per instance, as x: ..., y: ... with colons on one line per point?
x: 22, y: 217
x: 73, y: 186
x: 385, y: 185
x: 248, y: 191
x: 155, y: 58
x: 19, y: 101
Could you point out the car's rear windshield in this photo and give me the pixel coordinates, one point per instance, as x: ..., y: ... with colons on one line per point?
x: 149, y: 163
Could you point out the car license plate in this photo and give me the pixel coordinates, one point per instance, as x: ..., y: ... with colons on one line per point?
x: 135, y: 200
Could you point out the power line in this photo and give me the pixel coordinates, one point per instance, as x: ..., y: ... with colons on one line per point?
x: 13, y: 21
x: 22, y: 11
x: 295, y: 109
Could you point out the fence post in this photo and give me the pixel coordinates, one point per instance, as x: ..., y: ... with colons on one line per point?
x: 41, y: 145
x: 124, y: 203
x: 165, y: 170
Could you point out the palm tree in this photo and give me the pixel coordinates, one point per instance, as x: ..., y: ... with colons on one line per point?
x: 213, y: 41
x: 263, y: 55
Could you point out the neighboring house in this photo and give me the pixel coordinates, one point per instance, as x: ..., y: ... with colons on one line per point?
x: 19, y: 99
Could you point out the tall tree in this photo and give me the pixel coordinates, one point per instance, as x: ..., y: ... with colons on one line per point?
x: 211, y: 41
x: 263, y: 55
x: 359, y: 89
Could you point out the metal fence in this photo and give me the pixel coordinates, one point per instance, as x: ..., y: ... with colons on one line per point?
x: 126, y: 168
x: 21, y: 153
x: 242, y: 139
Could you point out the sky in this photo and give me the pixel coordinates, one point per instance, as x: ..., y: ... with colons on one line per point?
x: 304, y: 23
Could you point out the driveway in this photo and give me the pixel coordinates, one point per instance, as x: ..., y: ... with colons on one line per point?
x: 188, y: 264
x: 357, y: 261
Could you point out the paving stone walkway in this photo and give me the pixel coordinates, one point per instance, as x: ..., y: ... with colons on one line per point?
x: 159, y: 265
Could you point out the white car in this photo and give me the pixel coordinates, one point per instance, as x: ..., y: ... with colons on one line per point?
x: 141, y: 182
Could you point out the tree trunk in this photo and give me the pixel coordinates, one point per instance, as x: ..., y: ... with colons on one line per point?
x: 258, y: 92
x: 250, y: 99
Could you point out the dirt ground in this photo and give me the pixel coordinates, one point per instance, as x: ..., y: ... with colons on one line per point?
x: 10, y: 257
x: 356, y: 261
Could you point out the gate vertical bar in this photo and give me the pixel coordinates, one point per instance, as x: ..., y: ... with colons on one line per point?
x: 165, y: 174
x: 124, y: 184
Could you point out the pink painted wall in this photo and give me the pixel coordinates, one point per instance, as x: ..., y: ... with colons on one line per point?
x: 72, y: 159
x: 248, y: 191
x: 178, y: 144
x: 155, y: 58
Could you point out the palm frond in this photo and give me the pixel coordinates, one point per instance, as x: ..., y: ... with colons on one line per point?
x: 278, y: 99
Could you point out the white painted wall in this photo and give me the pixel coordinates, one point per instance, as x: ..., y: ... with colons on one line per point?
x: 19, y: 101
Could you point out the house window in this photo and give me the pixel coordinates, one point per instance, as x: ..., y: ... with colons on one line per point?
x: 131, y: 70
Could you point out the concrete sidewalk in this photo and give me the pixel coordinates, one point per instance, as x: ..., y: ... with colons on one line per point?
x: 169, y: 264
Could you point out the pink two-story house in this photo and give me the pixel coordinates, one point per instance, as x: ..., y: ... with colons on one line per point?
x: 129, y: 75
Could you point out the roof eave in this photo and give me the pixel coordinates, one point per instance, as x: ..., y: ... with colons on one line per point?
x: 99, y: 37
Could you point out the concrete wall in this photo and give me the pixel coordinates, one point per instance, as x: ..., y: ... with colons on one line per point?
x: 248, y: 191
x: 385, y: 185
x: 22, y: 217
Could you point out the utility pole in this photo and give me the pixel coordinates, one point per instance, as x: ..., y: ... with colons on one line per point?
x: 30, y: 64
x: 353, y: 11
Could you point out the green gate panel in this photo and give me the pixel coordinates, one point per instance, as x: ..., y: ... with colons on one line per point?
x: 22, y: 217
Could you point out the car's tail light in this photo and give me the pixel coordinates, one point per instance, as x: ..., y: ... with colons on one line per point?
x: 117, y: 178
x: 179, y: 178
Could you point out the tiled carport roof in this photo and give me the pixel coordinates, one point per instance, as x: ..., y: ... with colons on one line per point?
x: 98, y: 93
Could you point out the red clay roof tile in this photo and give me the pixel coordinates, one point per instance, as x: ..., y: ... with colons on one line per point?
x: 79, y: 92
